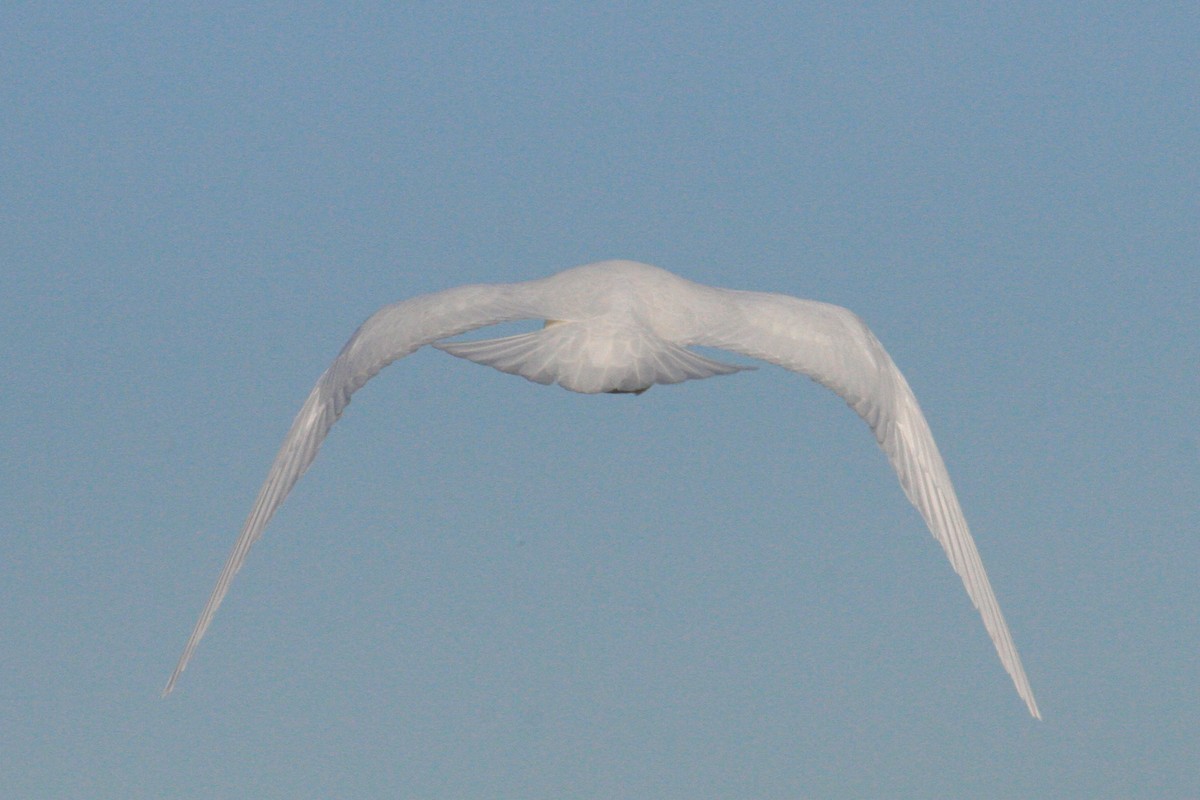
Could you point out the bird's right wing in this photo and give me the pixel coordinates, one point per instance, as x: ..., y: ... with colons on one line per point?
x: 833, y: 347
x: 391, y: 333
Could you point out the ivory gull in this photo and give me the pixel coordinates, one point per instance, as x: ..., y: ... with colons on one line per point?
x: 621, y: 327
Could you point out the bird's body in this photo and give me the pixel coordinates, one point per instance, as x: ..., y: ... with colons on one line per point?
x: 621, y: 327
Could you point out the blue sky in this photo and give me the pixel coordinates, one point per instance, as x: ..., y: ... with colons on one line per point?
x: 487, y: 588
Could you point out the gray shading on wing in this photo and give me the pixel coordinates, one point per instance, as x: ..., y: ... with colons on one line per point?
x: 833, y: 347
x: 391, y: 333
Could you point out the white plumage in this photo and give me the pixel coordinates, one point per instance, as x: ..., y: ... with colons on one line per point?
x: 620, y: 326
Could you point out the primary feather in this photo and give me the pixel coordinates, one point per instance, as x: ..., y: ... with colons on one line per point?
x: 620, y: 326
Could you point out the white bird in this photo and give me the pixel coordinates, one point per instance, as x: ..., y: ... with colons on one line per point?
x: 621, y: 327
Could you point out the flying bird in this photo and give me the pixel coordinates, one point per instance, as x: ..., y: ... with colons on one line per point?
x: 622, y: 327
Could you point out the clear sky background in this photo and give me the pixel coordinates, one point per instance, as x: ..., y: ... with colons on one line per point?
x: 487, y: 588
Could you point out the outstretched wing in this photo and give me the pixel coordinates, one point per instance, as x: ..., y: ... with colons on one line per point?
x: 833, y: 347
x: 391, y: 333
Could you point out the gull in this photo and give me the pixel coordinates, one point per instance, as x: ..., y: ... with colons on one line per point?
x: 621, y: 327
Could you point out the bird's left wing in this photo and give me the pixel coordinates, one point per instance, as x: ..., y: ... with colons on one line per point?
x: 391, y: 333
x: 833, y: 347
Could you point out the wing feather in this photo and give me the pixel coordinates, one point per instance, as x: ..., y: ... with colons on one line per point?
x: 833, y: 347
x: 391, y: 333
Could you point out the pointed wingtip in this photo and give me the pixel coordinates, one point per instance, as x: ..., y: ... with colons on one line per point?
x: 170, y: 687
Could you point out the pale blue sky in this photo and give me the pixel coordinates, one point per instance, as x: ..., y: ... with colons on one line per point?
x: 487, y: 588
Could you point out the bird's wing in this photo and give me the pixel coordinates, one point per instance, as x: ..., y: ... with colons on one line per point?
x: 391, y: 333
x: 833, y: 347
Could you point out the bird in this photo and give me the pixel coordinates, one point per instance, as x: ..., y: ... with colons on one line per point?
x: 621, y: 327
